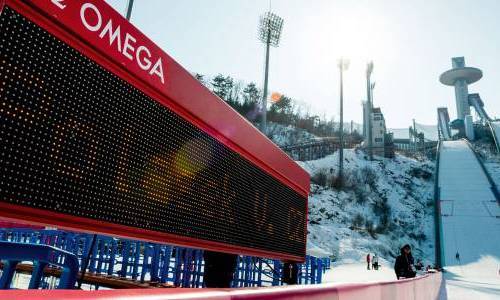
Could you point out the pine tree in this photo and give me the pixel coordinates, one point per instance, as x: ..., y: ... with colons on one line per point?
x: 251, y: 94
x: 200, y: 78
x: 219, y: 86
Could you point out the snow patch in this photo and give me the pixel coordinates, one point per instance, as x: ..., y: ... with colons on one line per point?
x: 386, y: 204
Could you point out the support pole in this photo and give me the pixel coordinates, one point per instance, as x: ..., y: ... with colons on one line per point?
x: 263, y: 124
x: 87, y: 261
x: 414, y: 137
x: 341, y: 127
x: 369, y: 70
x: 129, y: 9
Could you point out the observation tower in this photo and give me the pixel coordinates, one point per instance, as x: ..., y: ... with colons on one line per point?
x: 460, y: 77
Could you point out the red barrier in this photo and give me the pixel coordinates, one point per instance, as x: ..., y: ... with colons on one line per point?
x: 425, y: 288
x: 7, y: 223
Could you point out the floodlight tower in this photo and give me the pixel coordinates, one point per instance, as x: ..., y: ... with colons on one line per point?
x: 460, y: 77
x: 269, y: 33
x: 130, y: 4
x: 369, y: 90
x: 343, y: 64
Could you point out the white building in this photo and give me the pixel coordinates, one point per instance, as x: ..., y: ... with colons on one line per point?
x: 378, y: 128
x: 379, y: 132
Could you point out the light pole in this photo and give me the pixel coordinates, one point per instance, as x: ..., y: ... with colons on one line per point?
x: 415, y: 136
x: 372, y: 87
x: 343, y: 64
x: 269, y: 33
x: 129, y: 9
x: 369, y: 70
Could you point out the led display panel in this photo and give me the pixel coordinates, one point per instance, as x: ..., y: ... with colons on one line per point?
x: 79, y: 141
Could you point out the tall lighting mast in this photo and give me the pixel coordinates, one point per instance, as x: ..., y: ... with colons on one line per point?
x: 343, y: 64
x: 369, y: 70
x: 130, y: 4
x: 270, y: 28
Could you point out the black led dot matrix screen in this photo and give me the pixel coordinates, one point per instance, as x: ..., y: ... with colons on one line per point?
x: 76, y: 139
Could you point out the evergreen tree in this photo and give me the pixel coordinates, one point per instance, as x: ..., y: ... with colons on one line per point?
x: 219, y: 86
x: 232, y: 92
x: 200, y: 78
x: 251, y: 99
x: 251, y: 94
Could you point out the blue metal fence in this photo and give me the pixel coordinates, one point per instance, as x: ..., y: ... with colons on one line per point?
x: 144, y: 261
x: 41, y: 256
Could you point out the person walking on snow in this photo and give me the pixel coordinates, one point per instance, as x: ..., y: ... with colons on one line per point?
x: 368, y: 261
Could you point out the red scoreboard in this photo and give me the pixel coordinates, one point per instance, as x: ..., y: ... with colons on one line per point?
x: 101, y: 131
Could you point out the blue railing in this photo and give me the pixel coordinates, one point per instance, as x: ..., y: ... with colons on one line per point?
x: 151, y: 262
x: 41, y: 256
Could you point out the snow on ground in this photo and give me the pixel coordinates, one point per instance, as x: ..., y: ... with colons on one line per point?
x: 288, y: 135
x: 357, y: 272
x: 490, y: 158
x: 385, y: 204
x: 477, y: 280
x: 471, y: 226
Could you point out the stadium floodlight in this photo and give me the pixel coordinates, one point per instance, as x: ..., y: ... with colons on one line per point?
x: 270, y: 28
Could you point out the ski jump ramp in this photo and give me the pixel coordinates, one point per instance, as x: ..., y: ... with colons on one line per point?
x: 444, y: 123
x: 495, y: 130
x: 470, y: 218
x: 478, y: 104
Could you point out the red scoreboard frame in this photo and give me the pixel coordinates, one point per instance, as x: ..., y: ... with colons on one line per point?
x: 89, y: 26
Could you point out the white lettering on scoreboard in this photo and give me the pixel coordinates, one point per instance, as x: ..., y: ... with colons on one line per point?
x: 123, y: 42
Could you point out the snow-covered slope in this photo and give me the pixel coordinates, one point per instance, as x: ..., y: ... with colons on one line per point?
x: 288, y: 135
x: 385, y: 204
x: 490, y: 158
x: 470, y: 225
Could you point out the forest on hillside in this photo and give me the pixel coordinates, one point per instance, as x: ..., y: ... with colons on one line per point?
x: 246, y: 99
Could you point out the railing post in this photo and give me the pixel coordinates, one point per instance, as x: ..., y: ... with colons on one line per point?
x: 9, y: 268
x: 112, y: 257
x: 37, y: 274
x: 277, y: 272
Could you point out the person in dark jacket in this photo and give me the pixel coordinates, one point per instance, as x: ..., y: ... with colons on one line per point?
x: 404, y: 264
x: 219, y: 269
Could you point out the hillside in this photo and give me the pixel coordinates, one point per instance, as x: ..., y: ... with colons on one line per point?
x: 384, y: 204
x: 283, y: 135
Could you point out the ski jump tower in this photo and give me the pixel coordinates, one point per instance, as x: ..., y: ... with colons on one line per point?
x: 460, y: 77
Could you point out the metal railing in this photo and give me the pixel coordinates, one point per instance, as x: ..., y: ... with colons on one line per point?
x: 437, y: 212
x: 41, y: 256
x: 160, y: 264
x: 314, y: 149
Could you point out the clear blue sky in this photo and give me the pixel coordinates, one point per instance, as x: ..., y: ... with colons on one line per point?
x: 411, y: 43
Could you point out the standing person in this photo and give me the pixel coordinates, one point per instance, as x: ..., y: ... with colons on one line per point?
x: 457, y: 256
x: 404, y: 264
x: 375, y: 262
x: 368, y: 261
x: 219, y: 269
